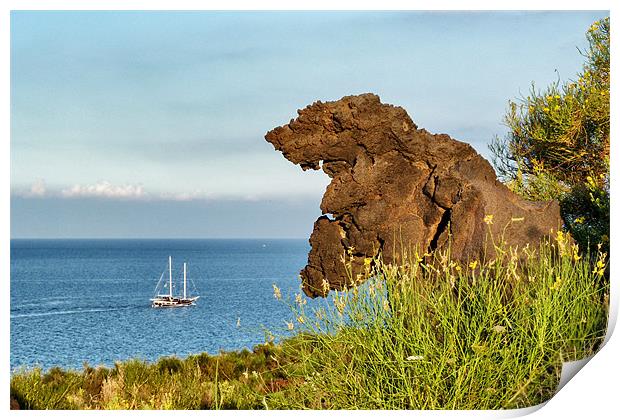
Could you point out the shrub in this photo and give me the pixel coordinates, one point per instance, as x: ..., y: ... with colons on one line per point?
x: 559, y: 137
x: 169, y: 365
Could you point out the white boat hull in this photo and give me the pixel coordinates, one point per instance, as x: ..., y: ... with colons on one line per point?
x: 172, y: 302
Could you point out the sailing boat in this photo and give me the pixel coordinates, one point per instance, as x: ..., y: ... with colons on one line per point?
x: 168, y: 300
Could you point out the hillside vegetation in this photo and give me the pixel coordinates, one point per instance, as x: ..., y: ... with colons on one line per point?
x: 429, y: 334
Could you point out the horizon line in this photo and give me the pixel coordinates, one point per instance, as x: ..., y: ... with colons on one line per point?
x: 157, y: 238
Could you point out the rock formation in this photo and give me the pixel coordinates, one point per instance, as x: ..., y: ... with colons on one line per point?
x: 395, y: 185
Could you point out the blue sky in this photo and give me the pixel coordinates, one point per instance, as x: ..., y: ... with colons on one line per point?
x: 151, y: 124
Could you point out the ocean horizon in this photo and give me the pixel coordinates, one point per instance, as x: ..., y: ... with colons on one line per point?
x: 76, y: 301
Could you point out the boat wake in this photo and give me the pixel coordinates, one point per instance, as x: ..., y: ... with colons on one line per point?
x: 76, y: 311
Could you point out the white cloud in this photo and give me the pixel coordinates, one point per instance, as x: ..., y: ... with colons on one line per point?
x: 37, y: 189
x: 105, y: 189
x: 186, y: 196
x: 175, y: 197
x: 136, y: 192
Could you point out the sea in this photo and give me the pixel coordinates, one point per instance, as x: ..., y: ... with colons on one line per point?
x: 87, y: 301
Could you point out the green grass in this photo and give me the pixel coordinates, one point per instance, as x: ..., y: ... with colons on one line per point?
x: 431, y: 334
x: 425, y: 334
x: 224, y: 381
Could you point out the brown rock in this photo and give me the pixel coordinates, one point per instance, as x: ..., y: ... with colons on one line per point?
x: 395, y: 186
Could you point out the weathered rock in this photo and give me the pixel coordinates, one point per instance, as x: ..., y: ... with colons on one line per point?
x: 394, y: 186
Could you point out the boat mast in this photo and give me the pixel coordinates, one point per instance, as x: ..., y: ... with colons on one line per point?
x: 170, y: 273
x: 184, y: 280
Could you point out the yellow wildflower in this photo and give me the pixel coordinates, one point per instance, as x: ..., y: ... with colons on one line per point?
x: 386, y: 306
x: 276, y: 292
x: 325, y: 286
x: 488, y: 219
x: 473, y: 264
x: 339, y: 303
x: 299, y: 300
x: 600, y: 266
x: 562, y: 242
x: 499, y: 329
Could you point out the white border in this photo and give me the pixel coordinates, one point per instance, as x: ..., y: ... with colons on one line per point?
x: 594, y: 390
x: 307, y: 5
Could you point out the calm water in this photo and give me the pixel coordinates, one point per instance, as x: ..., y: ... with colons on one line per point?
x: 76, y: 301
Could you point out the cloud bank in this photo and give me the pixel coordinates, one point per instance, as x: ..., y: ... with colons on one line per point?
x: 105, y: 189
x: 126, y: 192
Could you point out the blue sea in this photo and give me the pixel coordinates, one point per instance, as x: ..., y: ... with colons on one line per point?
x: 77, y: 301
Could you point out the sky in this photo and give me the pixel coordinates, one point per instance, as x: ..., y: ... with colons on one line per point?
x: 152, y: 124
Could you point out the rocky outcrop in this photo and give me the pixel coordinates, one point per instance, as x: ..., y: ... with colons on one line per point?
x: 394, y: 185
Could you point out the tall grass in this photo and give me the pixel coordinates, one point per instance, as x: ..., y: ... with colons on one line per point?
x: 433, y: 334
x: 429, y: 333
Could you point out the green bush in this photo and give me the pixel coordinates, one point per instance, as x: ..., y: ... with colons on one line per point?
x: 169, y: 365
x: 559, y: 138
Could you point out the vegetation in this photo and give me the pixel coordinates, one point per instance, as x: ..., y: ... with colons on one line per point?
x: 435, y: 335
x: 428, y: 334
x: 558, y: 144
x: 232, y: 380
